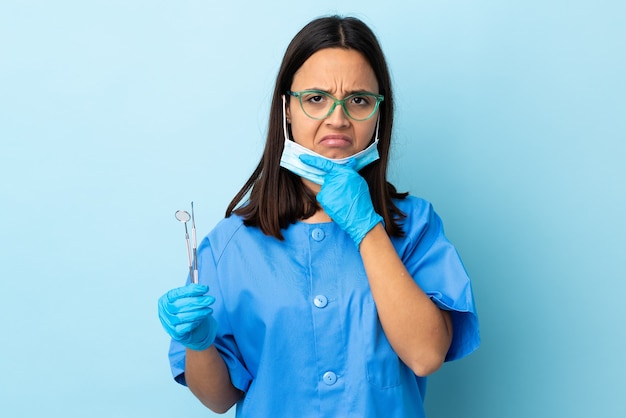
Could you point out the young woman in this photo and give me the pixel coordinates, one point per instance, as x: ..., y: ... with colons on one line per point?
x: 324, y: 291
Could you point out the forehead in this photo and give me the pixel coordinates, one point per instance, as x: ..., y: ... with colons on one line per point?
x: 336, y: 69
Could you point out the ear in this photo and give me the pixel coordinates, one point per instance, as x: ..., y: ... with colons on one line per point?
x: 286, y: 109
x: 288, y: 112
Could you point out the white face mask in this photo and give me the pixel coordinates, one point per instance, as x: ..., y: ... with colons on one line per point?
x: 292, y: 151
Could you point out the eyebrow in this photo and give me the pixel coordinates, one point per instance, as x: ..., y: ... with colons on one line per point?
x: 347, y: 93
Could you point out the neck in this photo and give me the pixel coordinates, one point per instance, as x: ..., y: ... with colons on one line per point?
x: 314, y: 187
x: 320, y: 216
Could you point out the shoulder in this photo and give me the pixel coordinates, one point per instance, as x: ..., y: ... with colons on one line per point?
x: 222, y: 234
x: 411, y: 202
x: 416, y: 209
x: 227, y: 227
x: 421, y: 224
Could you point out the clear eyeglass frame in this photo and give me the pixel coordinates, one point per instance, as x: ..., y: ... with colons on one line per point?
x: 299, y: 94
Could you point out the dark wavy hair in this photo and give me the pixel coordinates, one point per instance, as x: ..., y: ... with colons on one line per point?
x: 277, y: 197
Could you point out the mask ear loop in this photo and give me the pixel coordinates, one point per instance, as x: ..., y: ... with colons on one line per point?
x: 285, y: 132
x: 377, y: 126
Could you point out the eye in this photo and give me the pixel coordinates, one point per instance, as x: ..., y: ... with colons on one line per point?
x: 361, y: 100
x: 314, y: 98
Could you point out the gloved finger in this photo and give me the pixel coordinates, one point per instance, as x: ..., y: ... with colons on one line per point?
x: 185, y: 317
x: 324, y: 164
x: 189, y: 304
x: 188, y: 317
x: 184, y: 308
x: 350, y: 163
x: 186, y: 291
x: 173, y: 322
x: 169, y: 327
x: 173, y: 304
x: 184, y: 330
x: 178, y: 327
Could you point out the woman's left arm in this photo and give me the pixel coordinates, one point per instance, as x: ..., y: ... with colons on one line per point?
x: 419, y: 332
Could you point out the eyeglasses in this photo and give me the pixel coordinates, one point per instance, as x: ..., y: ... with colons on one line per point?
x: 318, y: 104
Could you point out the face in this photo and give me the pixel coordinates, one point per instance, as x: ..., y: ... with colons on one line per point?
x: 339, y: 72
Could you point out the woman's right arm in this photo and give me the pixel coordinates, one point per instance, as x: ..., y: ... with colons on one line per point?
x: 208, y: 379
x: 187, y: 316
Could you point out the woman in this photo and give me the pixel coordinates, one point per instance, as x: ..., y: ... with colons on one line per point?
x: 324, y: 291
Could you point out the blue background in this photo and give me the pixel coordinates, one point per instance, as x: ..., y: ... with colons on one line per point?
x: 114, y: 114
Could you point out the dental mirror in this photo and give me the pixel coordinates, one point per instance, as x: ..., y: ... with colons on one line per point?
x: 182, y: 215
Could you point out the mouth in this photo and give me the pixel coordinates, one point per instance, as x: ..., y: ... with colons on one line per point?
x: 336, y: 141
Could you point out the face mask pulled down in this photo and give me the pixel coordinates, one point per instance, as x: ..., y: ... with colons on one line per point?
x: 290, y: 158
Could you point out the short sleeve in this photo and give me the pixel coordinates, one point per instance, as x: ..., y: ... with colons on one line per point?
x: 436, y: 266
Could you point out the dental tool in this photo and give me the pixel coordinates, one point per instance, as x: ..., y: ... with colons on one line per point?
x: 194, y: 247
x: 184, y: 217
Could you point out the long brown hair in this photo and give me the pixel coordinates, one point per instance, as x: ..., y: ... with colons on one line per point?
x: 277, y: 197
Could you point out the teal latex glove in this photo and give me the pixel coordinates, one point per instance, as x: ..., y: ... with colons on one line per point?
x: 345, y: 197
x: 187, y: 316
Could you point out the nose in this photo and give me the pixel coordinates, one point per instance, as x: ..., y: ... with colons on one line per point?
x: 338, y: 117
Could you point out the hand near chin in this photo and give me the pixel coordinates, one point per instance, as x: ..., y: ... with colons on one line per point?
x: 345, y: 197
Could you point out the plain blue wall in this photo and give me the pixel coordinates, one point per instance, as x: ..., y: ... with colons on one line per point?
x: 114, y: 114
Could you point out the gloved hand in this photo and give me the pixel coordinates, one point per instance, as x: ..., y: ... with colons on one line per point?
x: 345, y: 197
x: 186, y: 315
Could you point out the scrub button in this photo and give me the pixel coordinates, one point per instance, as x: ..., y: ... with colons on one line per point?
x: 320, y: 301
x: 317, y: 234
x: 329, y: 378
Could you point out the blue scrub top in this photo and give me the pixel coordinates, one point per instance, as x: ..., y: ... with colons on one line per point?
x: 297, y: 324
